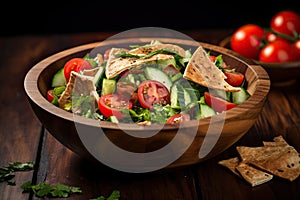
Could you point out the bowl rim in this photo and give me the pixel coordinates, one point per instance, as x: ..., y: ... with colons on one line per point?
x: 34, y: 94
x: 282, y: 65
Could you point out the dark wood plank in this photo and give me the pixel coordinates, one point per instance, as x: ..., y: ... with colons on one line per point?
x: 279, y: 116
x: 21, y: 133
x: 63, y: 166
x: 19, y: 129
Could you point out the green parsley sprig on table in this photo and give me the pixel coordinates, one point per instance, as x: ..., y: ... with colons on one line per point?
x: 115, y: 195
x: 7, y: 172
x: 43, y: 189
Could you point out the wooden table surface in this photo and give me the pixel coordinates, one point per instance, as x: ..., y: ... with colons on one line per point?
x: 23, y: 138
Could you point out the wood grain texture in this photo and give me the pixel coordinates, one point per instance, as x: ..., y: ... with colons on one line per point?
x: 57, y: 164
x: 57, y: 121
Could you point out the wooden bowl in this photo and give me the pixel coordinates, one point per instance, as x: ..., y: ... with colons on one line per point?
x: 154, y: 147
x: 280, y: 74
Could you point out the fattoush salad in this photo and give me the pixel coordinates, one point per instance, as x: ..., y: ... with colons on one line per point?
x: 153, y: 83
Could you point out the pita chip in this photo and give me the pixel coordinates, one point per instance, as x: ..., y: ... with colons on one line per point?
x: 252, y: 175
x: 277, y: 158
x: 153, y: 47
x: 231, y: 164
x: 277, y: 141
x: 203, y: 71
x: 115, y: 65
x: 284, y: 163
x: 245, y: 171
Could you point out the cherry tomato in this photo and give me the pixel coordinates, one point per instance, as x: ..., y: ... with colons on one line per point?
x: 286, y: 22
x: 217, y: 103
x: 271, y: 37
x: 77, y: 65
x: 212, y: 58
x: 50, y: 95
x: 277, y: 51
x: 246, y: 40
x: 178, y: 118
x: 234, y: 78
x: 153, y: 92
x: 296, y: 50
x: 113, y: 104
x: 106, y: 54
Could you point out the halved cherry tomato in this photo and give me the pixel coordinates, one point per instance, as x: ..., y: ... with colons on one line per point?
x: 113, y: 104
x: 217, y: 103
x: 178, y: 118
x: 50, y: 95
x: 153, y: 92
x: 77, y: 65
x: 234, y: 78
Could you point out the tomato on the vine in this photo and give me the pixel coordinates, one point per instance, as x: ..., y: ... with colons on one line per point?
x: 277, y: 51
x: 272, y: 37
x: 178, y: 118
x: 77, y: 65
x: 296, y: 49
x: 217, y: 103
x: 246, y: 40
x: 113, y: 105
x: 153, y: 92
x: 286, y: 22
x: 234, y: 78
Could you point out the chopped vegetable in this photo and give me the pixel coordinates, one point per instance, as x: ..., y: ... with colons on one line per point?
x: 145, y: 85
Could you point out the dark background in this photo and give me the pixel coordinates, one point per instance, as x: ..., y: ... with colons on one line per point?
x: 51, y: 17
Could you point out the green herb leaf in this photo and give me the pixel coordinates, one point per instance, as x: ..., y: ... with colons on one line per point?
x: 43, y: 189
x: 115, y: 195
x: 6, y: 173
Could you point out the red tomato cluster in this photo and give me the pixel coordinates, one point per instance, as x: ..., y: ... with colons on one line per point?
x: 279, y: 43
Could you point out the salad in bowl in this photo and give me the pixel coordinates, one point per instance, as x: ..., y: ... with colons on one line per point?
x: 152, y: 83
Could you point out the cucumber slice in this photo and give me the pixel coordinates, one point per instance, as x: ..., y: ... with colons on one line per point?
x: 205, y: 111
x: 180, y: 97
x: 58, y: 78
x: 99, y: 77
x: 240, y: 96
x: 187, y: 97
x: 152, y: 73
x: 108, y: 86
x: 174, y: 96
x: 223, y: 94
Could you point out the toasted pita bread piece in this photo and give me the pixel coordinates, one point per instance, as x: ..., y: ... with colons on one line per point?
x: 281, y: 160
x: 90, y: 72
x: 115, y: 65
x: 285, y: 165
x: 149, y: 48
x: 200, y: 69
x: 80, y: 85
x: 252, y: 175
x: 231, y: 164
x: 243, y: 170
x: 277, y: 141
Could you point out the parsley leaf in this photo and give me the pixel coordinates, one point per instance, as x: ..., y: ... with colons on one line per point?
x: 6, y: 173
x: 115, y: 195
x: 43, y: 189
